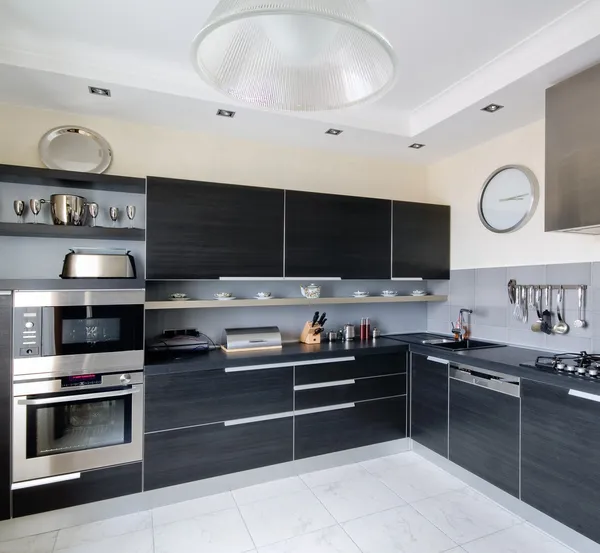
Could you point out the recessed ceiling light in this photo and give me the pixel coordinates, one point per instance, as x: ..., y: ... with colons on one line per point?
x: 225, y: 113
x: 334, y: 132
x: 417, y: 146
x: 99, y: 91
x: 492, y: 108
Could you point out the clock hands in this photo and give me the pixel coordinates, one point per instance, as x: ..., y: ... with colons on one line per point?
x: 513, y: 198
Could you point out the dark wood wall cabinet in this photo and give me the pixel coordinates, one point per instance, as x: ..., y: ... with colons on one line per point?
x: 327, y: 235
x: 93, y: 485
x: 5, y: 402
x: 203, y: 230
x: 429, y: 407
x: 559, y: 451
x: 421, y: 241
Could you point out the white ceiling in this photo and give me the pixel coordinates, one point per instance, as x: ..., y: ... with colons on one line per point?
x: 455, y: 56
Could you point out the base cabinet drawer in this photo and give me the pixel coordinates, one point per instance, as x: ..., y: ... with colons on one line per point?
x: 93, y: 485
x: 361, y: 367
x: 179, y: 456
x: 348, y: 391
x: 191, y: 399
x: 366, y: 423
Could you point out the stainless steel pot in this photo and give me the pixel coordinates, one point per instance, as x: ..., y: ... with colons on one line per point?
x: 68, y: 209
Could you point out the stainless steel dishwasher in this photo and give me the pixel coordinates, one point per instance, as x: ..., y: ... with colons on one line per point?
x: 484, y: 425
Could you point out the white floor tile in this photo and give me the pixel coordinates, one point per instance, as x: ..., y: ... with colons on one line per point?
x: 134, y: 542
x: 41, y: 543
x: 77, y: 535
x: 286, y: 516
x: 244, y: 496
x: 356, y: 498
x: 328, y: 540
x: 336, y: 474
x: 192, y: 508
x: 419, y: 481
x: 392, y: 461
x: 220, y: 532
x: 400, y: 530
x: 522, y: 538
x: 465, y: 515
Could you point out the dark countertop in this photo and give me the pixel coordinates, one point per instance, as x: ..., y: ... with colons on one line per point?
x: 289, y: 353
x: 73, y: 284
x: 503, y: 359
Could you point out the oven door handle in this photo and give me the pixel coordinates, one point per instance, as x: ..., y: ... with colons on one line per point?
x: 63, y: 399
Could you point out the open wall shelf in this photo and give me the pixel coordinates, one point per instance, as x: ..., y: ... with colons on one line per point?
x: 58, y: 231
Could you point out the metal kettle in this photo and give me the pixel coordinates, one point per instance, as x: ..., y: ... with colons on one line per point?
x: 349, y: 332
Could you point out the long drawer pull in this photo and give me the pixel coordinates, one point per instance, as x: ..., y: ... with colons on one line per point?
x: 80, y: 397
x: 584, y: 395
x: 324, y: 385
x: 324, y: 409
x: 437, y: 360
x: 294, y: 364
x: 45, y: 481
x: 262, y: 418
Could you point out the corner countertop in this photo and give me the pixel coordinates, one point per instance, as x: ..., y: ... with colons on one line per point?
x: 505, y: 359
x: 289, y: 353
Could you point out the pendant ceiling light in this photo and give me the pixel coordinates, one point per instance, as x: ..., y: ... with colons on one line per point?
x: 295, y: 55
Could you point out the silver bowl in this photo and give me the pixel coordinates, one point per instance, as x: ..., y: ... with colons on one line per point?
x: 68, y: 209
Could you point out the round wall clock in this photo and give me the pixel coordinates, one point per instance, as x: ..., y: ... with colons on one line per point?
x: 508, y: 198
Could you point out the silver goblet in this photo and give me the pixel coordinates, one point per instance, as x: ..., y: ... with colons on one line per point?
x: 19, y: 207
x: 130, y: 214
x: 35, y: 206
x: 114, y: 214
x: 93, y: 211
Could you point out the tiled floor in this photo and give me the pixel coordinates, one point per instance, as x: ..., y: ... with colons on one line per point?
x: 394, y: 504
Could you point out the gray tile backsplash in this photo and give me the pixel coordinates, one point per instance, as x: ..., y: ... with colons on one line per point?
x: 484, y: 291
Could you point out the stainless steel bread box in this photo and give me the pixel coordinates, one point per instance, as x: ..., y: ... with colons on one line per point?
x: 248, y: 339
x: 90, y: 263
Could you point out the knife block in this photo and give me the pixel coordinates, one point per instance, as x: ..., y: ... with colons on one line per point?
x: 308, y: 335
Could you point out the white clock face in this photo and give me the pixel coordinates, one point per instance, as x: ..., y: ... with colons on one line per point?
x: 508, y: 199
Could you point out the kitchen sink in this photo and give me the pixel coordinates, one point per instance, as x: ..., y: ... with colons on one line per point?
x: 464, y: 344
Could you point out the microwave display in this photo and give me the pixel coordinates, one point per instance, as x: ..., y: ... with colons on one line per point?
x: 90, y: 331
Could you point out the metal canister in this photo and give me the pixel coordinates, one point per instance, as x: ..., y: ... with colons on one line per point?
x: 349, y: 332
x: 376, y: 333
x: 332, y: 336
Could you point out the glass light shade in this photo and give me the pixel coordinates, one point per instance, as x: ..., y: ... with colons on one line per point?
x: 294, y: 55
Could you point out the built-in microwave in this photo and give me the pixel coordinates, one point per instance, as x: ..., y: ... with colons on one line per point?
x: 65, y: 332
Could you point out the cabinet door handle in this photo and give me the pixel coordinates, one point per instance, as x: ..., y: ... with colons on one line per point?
x: 324, y: 409
x: 584, y: 395
x: 438, y: 360
x: 249, y: 279
x: 407, y: 279
x: 280, y: 365
x: 330, y: 384
x: 262, y: 418
x: 45, y: 481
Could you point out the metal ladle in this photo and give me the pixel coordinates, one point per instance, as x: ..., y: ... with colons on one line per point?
x: 580, y: 322
x: 537, y: 325
x: 561, y: 327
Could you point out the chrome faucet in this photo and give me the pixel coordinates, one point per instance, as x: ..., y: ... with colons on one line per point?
x: 462, y: 332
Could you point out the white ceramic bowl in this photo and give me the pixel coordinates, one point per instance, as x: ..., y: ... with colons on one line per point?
x: 178, y: 296
x: 389, y: 293
x: 263, y: 295
x: 220, y: 295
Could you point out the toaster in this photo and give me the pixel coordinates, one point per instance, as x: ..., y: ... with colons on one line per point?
x: 93, y: 263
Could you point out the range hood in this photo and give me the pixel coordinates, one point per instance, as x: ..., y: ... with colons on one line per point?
x: 573, y: 154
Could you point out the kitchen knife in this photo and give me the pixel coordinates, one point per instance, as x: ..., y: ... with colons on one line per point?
x: 322, y: 319
x: 315, y: 319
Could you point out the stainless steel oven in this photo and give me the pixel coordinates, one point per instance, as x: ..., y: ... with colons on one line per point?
x: 77, y: 332
x: 68, y: 424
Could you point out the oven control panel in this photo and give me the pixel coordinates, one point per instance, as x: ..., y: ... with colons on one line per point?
x: 27, y: 331
x: 79, y: 380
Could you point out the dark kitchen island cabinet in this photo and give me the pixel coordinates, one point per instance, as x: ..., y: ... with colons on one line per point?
x: 327, y: 235
x: 560, y: 446
x: 203, y: 230
x: 421, y: 241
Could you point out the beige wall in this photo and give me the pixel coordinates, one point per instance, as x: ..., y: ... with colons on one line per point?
x: 457, y: 181
x: 141, y: 150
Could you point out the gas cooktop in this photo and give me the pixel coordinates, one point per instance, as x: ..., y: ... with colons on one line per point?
x: 581, y: 365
